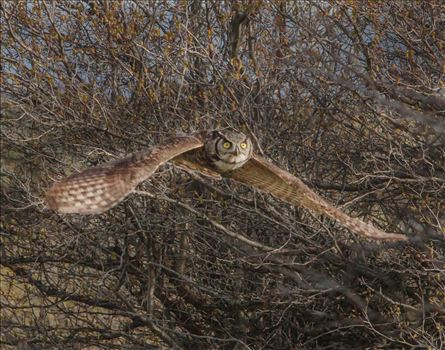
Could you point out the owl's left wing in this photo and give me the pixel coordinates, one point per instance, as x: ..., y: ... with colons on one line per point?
x: 96, y: 190
x: 267, y: 177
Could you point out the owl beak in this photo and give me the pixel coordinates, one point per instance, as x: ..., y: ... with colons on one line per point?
x: 237, y: 151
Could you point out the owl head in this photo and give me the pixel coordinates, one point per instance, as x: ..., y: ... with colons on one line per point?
x: 229, y: 149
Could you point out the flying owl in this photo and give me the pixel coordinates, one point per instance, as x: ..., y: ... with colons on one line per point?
x: 225, y: 153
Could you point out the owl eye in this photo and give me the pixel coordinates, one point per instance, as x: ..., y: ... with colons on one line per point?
x: 243, y: 145
x: 227, y: 145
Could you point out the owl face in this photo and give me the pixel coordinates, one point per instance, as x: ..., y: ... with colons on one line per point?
x: 229, y: 150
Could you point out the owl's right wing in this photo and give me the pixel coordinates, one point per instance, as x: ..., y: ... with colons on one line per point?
x: 97, y: 189
x: 267, y: 177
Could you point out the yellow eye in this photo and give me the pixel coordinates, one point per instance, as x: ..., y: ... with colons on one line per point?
x: 227, y: 145
x: 243, y: 145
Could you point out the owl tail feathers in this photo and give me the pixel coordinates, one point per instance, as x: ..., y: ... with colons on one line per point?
x: 90, y: 192
x: 358, y: 226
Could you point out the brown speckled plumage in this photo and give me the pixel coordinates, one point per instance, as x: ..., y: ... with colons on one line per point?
x: 267, y: 177
x: 98, y: 189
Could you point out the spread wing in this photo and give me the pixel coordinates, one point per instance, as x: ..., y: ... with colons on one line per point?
x: 267, y: 177
x: 96, y: 190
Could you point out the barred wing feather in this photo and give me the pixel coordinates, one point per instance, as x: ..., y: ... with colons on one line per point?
x: 98, y: 189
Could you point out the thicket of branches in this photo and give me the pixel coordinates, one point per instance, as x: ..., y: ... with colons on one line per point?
x: 349, y: 96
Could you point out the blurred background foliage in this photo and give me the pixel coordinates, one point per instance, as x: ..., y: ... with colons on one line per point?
x: 348, y: 95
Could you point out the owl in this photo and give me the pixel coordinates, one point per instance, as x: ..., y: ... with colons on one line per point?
x: 218, y: 153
